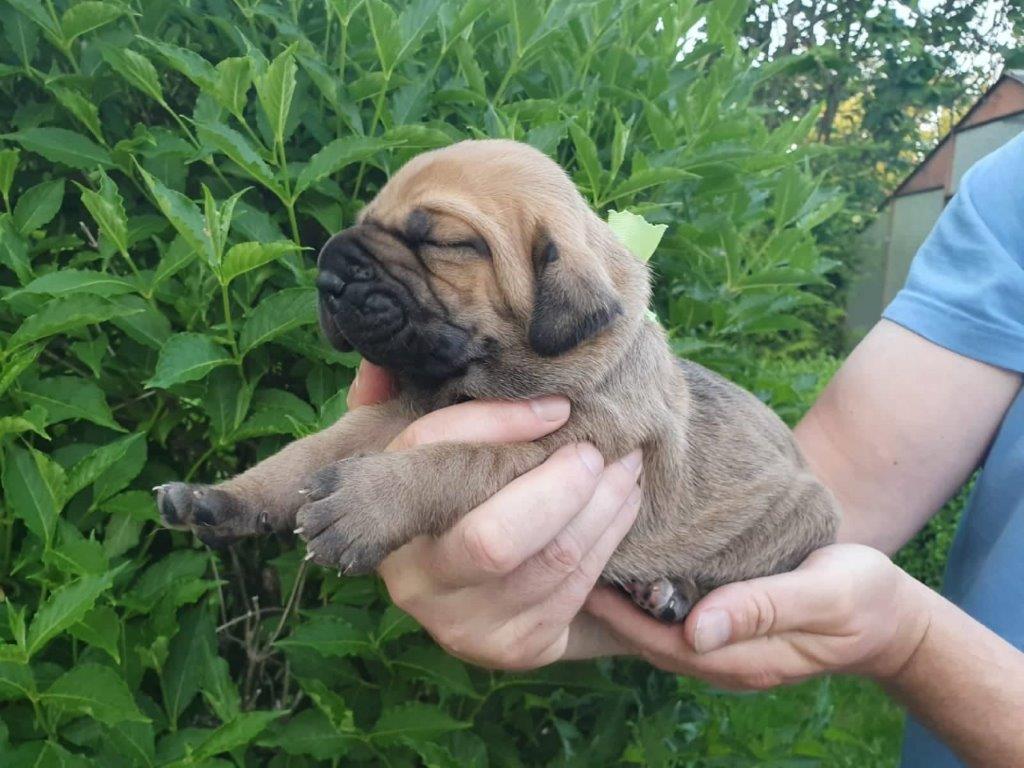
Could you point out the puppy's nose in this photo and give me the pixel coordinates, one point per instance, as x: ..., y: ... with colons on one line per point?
x: 345, y: 256
x: 330, y: 284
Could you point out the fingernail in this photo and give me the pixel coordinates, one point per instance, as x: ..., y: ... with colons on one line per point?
x: 590, y: 456
x: 713, y: 630
x: 550, y: 408
x: 633, y: 461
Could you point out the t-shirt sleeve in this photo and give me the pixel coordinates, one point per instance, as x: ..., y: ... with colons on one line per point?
x: 965, y: 290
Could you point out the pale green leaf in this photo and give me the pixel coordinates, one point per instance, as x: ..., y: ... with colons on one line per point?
x: 636, y: 233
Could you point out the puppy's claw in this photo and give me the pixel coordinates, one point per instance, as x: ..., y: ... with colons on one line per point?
x: 303, y: 491
x: 298, y: 531
x: 310, y: 555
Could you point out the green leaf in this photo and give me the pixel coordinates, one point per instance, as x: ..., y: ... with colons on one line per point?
x: 94, y: 690
x: 60, y: 145
x: 586, y: 156
x: 179, y: 567
x: 186, y: 660
x: 339, y: 154
x: 14, y: 250
x: 237, y: 733
x: 275, y: 89
x: 37, y: 207
x: 69, y: 397
x: 69, y: 280
x: 386, y: 35
x: 308, y: 733
x: 187, y: 357
x: 328, y: 637
x: 30, y: 491
x: 135, y: 742
x: 100, y: 628
x: 89, y: 469
x: 107, y: 208
x: 245, y: 257
x: 647, y: 178
x: 135, y: 68
x: 34, y: 10
x: 146, y: 324
x: 429, y: 662
x: 82, y: 109
x: 230, y: 142
x: 416, y: 722
x: 66, y: 606
x: 234, y: 78
x: 64, y: 314
x: 17, y: 682
x: 15, y: 425
x: 184, y: 216
x: 76, y: 555
x: 87, y: 15
x: 636, y: 233
x: 188, y: 62
x: 226, y: 401
x: 8, y: 165
x: 277, y: 314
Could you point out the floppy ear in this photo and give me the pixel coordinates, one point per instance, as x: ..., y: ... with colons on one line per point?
x: 573, y: 297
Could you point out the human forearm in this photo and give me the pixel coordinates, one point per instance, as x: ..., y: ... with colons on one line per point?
x: 898, y: 429
x: 966, y: 684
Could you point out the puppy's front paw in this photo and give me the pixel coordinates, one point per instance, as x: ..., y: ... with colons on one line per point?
x: 216, y: 516
x: 351, y: 520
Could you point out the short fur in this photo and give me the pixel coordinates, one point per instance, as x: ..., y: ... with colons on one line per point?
x: 480, y: 272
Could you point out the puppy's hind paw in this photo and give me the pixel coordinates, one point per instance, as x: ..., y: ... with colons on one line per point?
x: 661, y: 598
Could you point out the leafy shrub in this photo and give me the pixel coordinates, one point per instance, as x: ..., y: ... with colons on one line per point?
x: 167, y: 171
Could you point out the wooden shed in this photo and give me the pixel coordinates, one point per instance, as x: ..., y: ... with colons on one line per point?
x: 886, y: 248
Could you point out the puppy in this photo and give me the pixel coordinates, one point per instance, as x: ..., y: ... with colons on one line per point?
x: 480, y: 272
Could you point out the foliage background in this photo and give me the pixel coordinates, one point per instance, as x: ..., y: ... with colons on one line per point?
x: 168, y: 170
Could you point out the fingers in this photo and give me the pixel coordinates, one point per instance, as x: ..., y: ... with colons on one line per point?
x: 804, y: 599
x: 486, y: 421
x: 582, y: 548
x: 371, y: 385
x: 518, y: 521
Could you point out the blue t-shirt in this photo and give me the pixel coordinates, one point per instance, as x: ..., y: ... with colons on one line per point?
x: 965, y: 292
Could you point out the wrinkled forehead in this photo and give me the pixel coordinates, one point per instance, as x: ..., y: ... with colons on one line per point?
x: 478, y: 182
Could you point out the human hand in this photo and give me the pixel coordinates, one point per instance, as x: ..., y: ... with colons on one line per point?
x: 847, y: 608
x: 504, y: 587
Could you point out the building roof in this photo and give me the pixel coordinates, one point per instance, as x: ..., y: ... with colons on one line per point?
x: 1004, y: 98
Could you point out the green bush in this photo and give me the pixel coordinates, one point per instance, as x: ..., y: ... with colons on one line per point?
x: 167, y: 170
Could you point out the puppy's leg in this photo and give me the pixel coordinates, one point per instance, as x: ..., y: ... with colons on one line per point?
x: 266, y: 497
x: 362, y: 508
x: 669, y: 600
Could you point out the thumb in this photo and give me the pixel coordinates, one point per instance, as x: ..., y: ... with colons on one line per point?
x: 788, y: 602
x: 371, y: 385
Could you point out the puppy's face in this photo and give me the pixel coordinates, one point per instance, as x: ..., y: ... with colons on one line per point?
x: 480, y: 270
